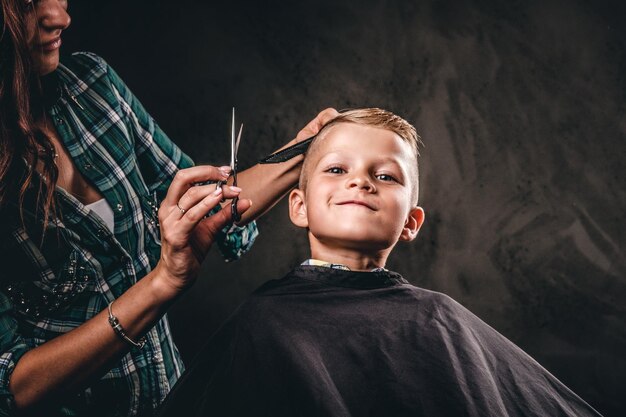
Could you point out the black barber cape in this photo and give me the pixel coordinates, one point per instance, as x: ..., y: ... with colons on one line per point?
x: 329, y: 342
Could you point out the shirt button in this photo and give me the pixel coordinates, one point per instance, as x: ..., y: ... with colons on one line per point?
x: 120, y: 207
x: 101, y: 233
x: 87, y: 167
x: 59, y: 121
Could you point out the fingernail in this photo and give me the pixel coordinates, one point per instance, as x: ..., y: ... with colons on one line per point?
x: 217, y: 191
x: 235, y: 189
x: 225, y: 170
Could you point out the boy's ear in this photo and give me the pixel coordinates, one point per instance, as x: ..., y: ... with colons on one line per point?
x: 297, y: 208
x: 412, y: 225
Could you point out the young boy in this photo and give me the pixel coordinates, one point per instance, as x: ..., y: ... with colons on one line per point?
x: 340, y: 335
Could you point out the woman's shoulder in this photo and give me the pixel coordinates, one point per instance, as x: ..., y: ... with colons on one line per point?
x: 83, y: 66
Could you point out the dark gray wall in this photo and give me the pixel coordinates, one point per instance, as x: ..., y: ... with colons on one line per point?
x: 521, y: 106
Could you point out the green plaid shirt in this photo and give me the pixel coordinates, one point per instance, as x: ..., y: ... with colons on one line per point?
x: 52, y: 285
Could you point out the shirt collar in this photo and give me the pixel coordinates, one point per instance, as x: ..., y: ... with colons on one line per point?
x: 317, y: 262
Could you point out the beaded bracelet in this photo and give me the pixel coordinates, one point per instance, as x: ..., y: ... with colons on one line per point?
x: 119, y: 330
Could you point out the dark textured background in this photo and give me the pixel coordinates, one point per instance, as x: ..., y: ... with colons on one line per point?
x: 521, y: 106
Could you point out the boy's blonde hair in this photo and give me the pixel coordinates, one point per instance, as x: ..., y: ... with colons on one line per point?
x: 373, y: 117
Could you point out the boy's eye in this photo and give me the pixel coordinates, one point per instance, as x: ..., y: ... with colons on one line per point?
x: 335, y: 170
x: 386, y: 177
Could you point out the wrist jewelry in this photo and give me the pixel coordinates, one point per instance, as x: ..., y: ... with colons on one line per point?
x: 119, y: 330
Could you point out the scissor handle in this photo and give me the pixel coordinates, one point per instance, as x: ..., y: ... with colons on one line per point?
x: 233, y: 205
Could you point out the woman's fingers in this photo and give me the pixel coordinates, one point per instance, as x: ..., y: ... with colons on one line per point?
x: 202, y: 207
x: 186, y: 178
x: 177, y: 228
x: 316, y: 124
x: 219, y: 220
x: 196, y: 193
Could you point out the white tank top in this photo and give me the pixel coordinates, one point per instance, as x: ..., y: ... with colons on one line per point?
x: 104, y: 210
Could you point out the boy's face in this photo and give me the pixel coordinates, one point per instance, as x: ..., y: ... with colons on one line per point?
x: 358, y: 194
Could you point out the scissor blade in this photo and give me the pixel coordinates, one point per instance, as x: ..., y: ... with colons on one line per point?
x: 238, y: 141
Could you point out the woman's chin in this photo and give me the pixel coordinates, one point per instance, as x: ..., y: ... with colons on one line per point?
x: 46, y: 65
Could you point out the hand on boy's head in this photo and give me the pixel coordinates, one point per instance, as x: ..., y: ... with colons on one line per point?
x: 316, y: 124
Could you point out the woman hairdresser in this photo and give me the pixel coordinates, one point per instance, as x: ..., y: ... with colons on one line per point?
x: 101, y: 227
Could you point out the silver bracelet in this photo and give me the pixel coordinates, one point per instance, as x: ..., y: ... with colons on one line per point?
x: 115, y: 323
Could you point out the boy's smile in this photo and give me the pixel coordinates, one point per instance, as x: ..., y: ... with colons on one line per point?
x: 358, y: 203
x: 359, y: 191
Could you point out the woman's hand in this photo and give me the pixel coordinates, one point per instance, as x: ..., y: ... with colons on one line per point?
x: 186, y: 234
x: 316, y: 124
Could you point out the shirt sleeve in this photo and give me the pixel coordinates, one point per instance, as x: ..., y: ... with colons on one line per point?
x: 159, y: 159
x: 12, y: 347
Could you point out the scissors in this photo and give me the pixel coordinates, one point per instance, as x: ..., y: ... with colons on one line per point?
x: 234, y: 148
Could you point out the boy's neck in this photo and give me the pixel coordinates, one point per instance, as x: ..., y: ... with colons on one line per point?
x: 354, y: 259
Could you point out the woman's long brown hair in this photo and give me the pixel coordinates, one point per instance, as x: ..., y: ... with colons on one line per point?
x: 23, y: 148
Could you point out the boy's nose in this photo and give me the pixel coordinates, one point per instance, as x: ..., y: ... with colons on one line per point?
x: 361, y: 181
x: 52, y: 14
